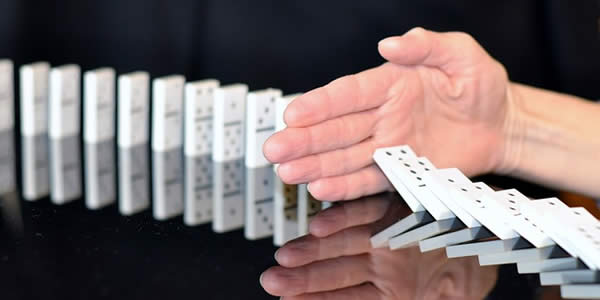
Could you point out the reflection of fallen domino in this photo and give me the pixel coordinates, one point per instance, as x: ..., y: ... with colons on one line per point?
x: 503, y: 227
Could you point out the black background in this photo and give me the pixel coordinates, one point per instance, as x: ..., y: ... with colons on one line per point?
x: 68, y: 252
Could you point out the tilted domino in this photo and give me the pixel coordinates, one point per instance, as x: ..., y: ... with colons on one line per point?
x: 545, y: 247
x: 167, y: 146
x: 7, y: 125
x: 99, y: 137
x: 285, y: 212
x: 64, y: 129
x: 260, y: 125
x: 228, y: 155
x: 412, y: 172
x: 451, y: 186
x: 133, y: 138
x: 566, y: 233
x: 580, y: 291
x: 34, y: 130
x: 198, y: 129
x: 384, y: 158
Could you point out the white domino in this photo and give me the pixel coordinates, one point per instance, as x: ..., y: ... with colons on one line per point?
x: 383, y: 157
x: 99, y: 107
x: 228, y: 153
x: 34, y: 129
x: 64, y: 129
x: 133, y: 138
x: 64, y: 102
x: 443, y: 183
x: 470, y: 196
x: 411, y: 173
x: 285, y: 213
x: 260, y: 124
x: 568, y: 232
x: 167, y: 146
x: 198, y: 131
x: 308, y: 207
x: 7, y: 121
x: 507, y: 204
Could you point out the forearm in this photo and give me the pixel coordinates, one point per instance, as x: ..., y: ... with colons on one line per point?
x: 553, y: 139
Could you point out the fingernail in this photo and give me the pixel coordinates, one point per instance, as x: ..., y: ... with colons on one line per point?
x: 275, y: 255
x: 308, y: 188
x: 260, y: 279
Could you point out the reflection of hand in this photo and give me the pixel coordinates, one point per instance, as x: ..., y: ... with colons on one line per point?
x: 337, y: 262
x: 441, y: 93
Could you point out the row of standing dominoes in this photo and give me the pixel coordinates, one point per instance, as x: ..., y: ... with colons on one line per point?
x: 205, y: 145
x: 500, y: 227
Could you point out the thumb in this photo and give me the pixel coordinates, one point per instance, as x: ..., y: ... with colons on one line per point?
x: 451, y: 51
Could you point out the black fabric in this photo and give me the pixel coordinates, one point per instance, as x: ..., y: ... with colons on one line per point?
x: 299, y: 45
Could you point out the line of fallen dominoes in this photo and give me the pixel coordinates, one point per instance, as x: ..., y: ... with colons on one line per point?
x: 449, y: 211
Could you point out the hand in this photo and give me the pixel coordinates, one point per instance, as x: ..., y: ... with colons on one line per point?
x: 337, y: 262
x: 441, y: 93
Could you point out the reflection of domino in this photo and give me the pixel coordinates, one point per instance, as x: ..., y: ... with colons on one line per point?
x: 64, y: 129
x: 228, y: 155
x: 7, y: 164
x: 7, y: 121
x: 285, y: 215
x: 167, y: 146
x: 99, y: 137
x: 199, y: 98
x: 34, y: 129
x: 133, y: 140
x: 260, y: 124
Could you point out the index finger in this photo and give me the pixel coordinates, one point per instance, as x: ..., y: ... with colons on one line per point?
x: 348, y: 94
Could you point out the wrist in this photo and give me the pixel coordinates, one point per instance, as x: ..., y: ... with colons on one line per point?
x: 513, y: 132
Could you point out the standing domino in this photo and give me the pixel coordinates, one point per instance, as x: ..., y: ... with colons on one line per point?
x: 198, y: 127
x: 260, y: 124
x: 64, y: 129
x: 308, y: 207
x: 99, y: 137
x: 285, y: 195
x: 167, y: 146
x: 133, y: 141
x: 7, y: 153
x: 228, y: 156
x: 34, y: 130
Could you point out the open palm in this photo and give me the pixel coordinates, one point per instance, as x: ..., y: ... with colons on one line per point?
x: 337, y: 262
x: 441, y: 93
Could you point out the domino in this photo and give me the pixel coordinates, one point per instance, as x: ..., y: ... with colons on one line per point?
x: 550, y: 265
x: 133, y: 116
x: 7, y: 163
x: 34, y: 129
x: 412, y: 173
x: 7, y: 121
x: 569, y: 277
x: 580, y: 291
x: 64, y: 129
x: 228, y: 155
x: 167, y: 146
x: 521, y: 255
x: 587, y: 240
x: 260, y: 124
x: 260, y: 186
x: 99, y: 137
x: 285, y: 214
x: 7, y: 152
x: 198, y: 130
x: 468, y: 195
x: 308, y: 207
x: 486, y: 247
x: 546, y: 211
x: 420, y: 216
